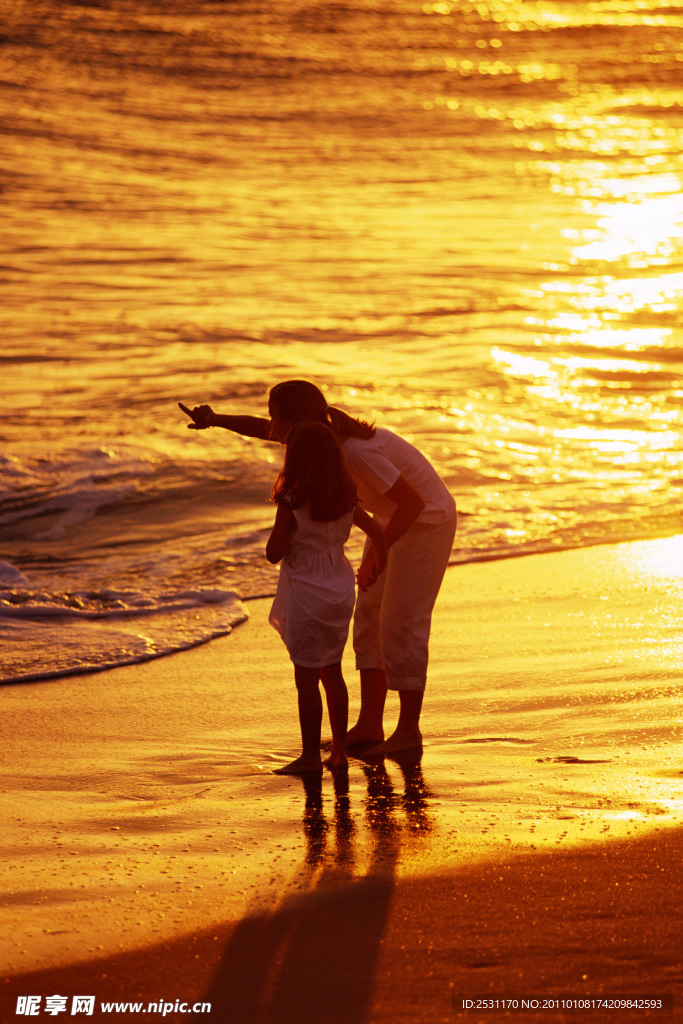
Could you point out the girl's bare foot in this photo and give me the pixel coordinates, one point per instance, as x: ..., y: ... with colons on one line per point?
x: 305, y: 763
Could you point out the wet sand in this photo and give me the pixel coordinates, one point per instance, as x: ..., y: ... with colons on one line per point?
x: 597, y: 922
x: 150, y: 852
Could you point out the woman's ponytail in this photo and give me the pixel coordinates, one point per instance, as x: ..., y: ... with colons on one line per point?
x: 344, y: 426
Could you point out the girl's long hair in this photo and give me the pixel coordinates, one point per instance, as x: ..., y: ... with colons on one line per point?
x: 315, y: 474
x: 298, y: 400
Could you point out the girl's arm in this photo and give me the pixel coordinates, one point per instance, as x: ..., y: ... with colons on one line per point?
x: 370, y: 567
x: 203, y: 416
x: 276, y: 548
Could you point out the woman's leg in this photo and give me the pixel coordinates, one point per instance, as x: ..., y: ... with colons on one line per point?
x: 391, y: 630
x: 406, y: 735
x: 373, y: 694
x: 338, y: 710
x: 310, y: 720
x: 370, y: 663
x: 415, y: 575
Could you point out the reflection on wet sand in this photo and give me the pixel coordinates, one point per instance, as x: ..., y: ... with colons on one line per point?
x: 314, y: 957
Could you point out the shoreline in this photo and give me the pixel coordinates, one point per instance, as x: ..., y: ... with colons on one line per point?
x: 240, y: 614
x: 143, y: 817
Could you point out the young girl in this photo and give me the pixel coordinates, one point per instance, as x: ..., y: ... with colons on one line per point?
x: 316, y: 506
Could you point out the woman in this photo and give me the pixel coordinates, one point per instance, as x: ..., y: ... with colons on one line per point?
x: 402, y: 489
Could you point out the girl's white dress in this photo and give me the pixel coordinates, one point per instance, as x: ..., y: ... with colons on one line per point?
x: 316, y: 591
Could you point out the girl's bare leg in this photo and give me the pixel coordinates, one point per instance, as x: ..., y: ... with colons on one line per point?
x: 338, y: 710
x: 310, y: 720
x: 373, y: 694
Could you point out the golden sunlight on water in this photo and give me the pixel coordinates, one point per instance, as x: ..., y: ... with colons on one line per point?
x: 645, y: 234
x: 659, y: 561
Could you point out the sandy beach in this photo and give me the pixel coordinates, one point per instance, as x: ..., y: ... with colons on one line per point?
x: 152, y: 855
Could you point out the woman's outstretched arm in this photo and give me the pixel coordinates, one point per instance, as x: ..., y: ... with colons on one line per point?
x: 203, y: 416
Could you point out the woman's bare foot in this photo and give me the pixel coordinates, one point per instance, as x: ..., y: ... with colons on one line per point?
x: 305, y: 763
x: 362, y: 733
x: 337, y: 758
x: 404, y: 739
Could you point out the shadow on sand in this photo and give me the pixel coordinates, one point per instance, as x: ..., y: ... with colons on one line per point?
x: 314, y: 958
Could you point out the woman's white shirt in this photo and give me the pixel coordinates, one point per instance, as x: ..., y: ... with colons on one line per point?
x: 376, y: 464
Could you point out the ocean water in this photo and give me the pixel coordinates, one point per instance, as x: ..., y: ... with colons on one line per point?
x: 463, y: 220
